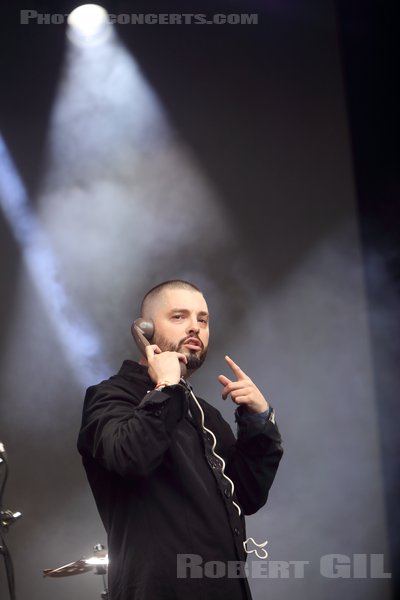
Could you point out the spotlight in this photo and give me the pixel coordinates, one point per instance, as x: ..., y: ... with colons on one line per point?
x: 88, y: 25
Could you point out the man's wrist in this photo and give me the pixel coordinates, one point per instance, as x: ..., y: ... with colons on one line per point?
x: 166, y: 383
x: 258, y: 410
x: 162, y: 384
x: 266, y: 415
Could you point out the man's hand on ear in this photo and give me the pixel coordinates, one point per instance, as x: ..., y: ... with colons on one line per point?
x: 164, y: 367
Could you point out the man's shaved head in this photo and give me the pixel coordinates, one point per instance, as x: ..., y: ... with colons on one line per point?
x: 150, y: 299
x: 180, y: 317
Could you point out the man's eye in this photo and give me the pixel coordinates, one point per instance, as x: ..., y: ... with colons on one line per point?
x: 177, y: 316
x: 203, y: 321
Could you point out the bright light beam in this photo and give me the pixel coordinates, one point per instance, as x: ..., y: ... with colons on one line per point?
x: 81, y: 344
x: 88, y: 25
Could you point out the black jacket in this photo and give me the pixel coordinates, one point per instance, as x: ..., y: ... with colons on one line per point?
x: 160, y: 491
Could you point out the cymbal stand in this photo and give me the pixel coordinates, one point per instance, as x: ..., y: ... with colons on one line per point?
x: 102, y: 570
x: 7, y: 518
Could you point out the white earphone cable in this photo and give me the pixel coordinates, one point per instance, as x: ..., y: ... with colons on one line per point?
x: 189, y: 387
x: 260, y: 547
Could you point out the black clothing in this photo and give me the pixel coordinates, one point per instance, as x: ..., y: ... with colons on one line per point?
x: 159, y: 488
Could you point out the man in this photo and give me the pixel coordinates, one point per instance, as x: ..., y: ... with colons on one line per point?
x: 170, y: 480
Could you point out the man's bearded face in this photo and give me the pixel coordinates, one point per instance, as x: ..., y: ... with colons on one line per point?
x: 195, y: 358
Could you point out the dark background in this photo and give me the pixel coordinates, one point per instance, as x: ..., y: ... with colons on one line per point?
x: 216, y: 87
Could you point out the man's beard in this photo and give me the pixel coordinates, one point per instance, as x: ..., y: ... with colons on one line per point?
x: 195, y: 358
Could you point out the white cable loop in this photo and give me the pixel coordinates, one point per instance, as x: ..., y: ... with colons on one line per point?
x: 259, y: 546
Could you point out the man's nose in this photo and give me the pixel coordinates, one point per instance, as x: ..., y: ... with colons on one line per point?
x: 193, y: 326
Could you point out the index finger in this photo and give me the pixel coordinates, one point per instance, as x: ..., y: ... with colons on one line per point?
x: 151, y: 350
x: 235, y: 368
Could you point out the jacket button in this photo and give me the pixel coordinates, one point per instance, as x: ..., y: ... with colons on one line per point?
x: 236, y: 531
x: 228, y: 493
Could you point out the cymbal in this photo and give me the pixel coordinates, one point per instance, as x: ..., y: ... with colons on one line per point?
x: 83, y: 565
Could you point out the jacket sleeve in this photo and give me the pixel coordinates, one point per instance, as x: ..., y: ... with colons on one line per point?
x: 125, y: 434
x: 252, y: 461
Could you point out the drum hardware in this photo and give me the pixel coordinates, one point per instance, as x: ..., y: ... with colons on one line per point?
x: 7, y: 518
x: 97, y: 563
